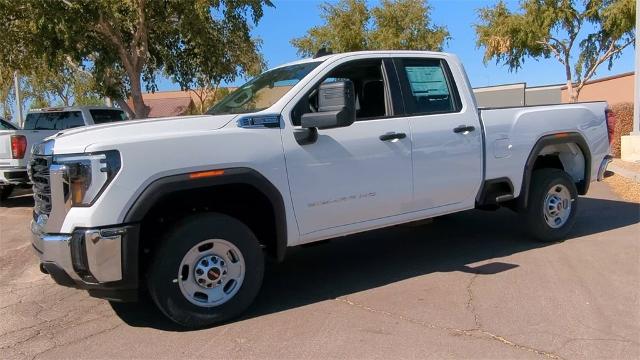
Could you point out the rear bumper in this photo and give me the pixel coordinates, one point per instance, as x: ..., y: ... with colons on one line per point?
x: 602, y: 170
x: 13, y: 176
x: 103, y: 261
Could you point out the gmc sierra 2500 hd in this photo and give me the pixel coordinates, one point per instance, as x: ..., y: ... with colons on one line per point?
x: 187, y: 208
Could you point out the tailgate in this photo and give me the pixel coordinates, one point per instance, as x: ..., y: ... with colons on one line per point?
x: 5, y: 144
x: 33, y: 137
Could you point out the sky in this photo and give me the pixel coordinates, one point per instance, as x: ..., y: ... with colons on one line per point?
x: 292, y: 18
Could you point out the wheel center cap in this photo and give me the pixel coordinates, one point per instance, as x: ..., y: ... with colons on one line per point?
x: 213, y: 274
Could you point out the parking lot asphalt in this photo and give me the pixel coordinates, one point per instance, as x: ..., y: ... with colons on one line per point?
x: 469, y: 285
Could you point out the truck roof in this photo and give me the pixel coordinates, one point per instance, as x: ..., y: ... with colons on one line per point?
x: 366, y: 52
x: 72, y: 108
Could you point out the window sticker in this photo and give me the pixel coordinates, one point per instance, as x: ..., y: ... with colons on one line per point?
x: 427, y: 80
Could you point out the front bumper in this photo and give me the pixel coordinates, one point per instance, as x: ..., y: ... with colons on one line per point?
x: 103, y: 261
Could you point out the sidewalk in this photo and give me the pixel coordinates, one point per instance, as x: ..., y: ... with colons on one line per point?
x: 625, y: 169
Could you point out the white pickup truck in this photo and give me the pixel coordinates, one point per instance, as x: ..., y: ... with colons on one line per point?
x: 40, y: 124
x: 187, y: 208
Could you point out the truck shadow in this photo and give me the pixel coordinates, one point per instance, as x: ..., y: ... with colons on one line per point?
x: 377, y: 258
x: 19, y: 198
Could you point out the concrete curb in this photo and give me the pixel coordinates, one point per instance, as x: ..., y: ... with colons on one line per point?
x: 629, y: 174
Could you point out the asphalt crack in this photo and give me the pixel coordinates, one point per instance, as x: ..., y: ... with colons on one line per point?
x: 470, y: 306
x: 475, y: 332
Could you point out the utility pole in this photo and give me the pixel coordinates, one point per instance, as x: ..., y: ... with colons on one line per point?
x: 16, y: 81
x: 636, y: 102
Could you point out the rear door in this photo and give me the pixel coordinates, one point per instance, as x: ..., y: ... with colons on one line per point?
x: 445, y: 133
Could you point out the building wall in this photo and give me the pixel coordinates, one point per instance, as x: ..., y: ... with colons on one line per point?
x: 543, y: 95
x: 501, y: 95
x: 612, y: 89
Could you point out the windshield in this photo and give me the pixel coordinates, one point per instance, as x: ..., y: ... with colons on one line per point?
x: 263, y: 91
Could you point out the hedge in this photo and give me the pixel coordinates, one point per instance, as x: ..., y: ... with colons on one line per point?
x: 624, y: 124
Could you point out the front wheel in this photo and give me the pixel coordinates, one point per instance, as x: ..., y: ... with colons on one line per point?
x: 552, y: 205
x: 208, y: 270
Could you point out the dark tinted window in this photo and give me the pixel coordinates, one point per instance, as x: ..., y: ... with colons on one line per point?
x: 428, y: 86
x: 103, y: 116
x: 6, y: 126
x: 53, y: 120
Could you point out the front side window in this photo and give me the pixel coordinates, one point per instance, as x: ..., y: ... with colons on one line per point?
x: 53, y: 120
x: 369, y: 85
x: 264, y: 90
x: 429, y: 87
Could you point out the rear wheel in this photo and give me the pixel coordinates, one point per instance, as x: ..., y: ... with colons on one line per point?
x: 5, y: 192
x: 552, y: 206
x: 208, y: 270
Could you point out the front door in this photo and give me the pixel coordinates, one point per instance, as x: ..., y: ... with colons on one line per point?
x: 351, y: 175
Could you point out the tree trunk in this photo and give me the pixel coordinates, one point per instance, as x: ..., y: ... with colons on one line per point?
x: 124, y: 106
x: 139, y: 108
x: 573, y: 96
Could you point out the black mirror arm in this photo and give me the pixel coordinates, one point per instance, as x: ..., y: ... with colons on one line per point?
x: 306, y: 136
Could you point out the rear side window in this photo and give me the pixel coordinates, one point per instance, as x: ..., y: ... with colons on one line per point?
x: 103, y: 116
x: 53, y: 120
x: 429, y: 87
x: 6, y: 126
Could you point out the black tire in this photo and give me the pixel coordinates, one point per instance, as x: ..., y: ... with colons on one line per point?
x: 164, y: 268
x: 5, y: 192
x: 542, y: 182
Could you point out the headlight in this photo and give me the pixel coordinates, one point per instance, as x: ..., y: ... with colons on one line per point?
x: 87, y: 175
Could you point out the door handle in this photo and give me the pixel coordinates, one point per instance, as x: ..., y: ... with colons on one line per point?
x: 463, y: 129
x: 393, y: 136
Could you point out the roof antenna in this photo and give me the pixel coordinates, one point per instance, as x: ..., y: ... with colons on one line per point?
x: 322, y: 52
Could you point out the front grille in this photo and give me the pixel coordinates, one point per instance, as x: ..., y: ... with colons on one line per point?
x: 39, y: 173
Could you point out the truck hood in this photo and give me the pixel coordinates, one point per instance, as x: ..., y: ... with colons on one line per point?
x: 79, y: 139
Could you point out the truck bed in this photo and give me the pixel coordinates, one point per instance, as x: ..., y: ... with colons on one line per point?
x: 511, y: 133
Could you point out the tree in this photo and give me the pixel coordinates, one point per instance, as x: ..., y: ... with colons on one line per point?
x: 350, y: 25
x: 207, y: 97
x: 205, y: 84
x: 406, y: 25
x: 555, y: 28
x: 6, y: 93
x: 124, y: 44
x: 66, y: 87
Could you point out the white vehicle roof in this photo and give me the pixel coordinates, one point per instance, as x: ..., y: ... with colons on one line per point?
x: 367, y: 52
x: 72, y: 108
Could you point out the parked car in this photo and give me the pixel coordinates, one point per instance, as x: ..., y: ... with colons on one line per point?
x: 39, y: 124
x: 187, y: 208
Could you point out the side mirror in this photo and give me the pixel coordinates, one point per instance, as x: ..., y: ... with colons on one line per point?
x: 336, y: 107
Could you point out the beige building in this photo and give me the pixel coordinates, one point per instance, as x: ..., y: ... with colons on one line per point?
x: 176, y: 103
x: 501, y: 95
x: 613, y: 89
